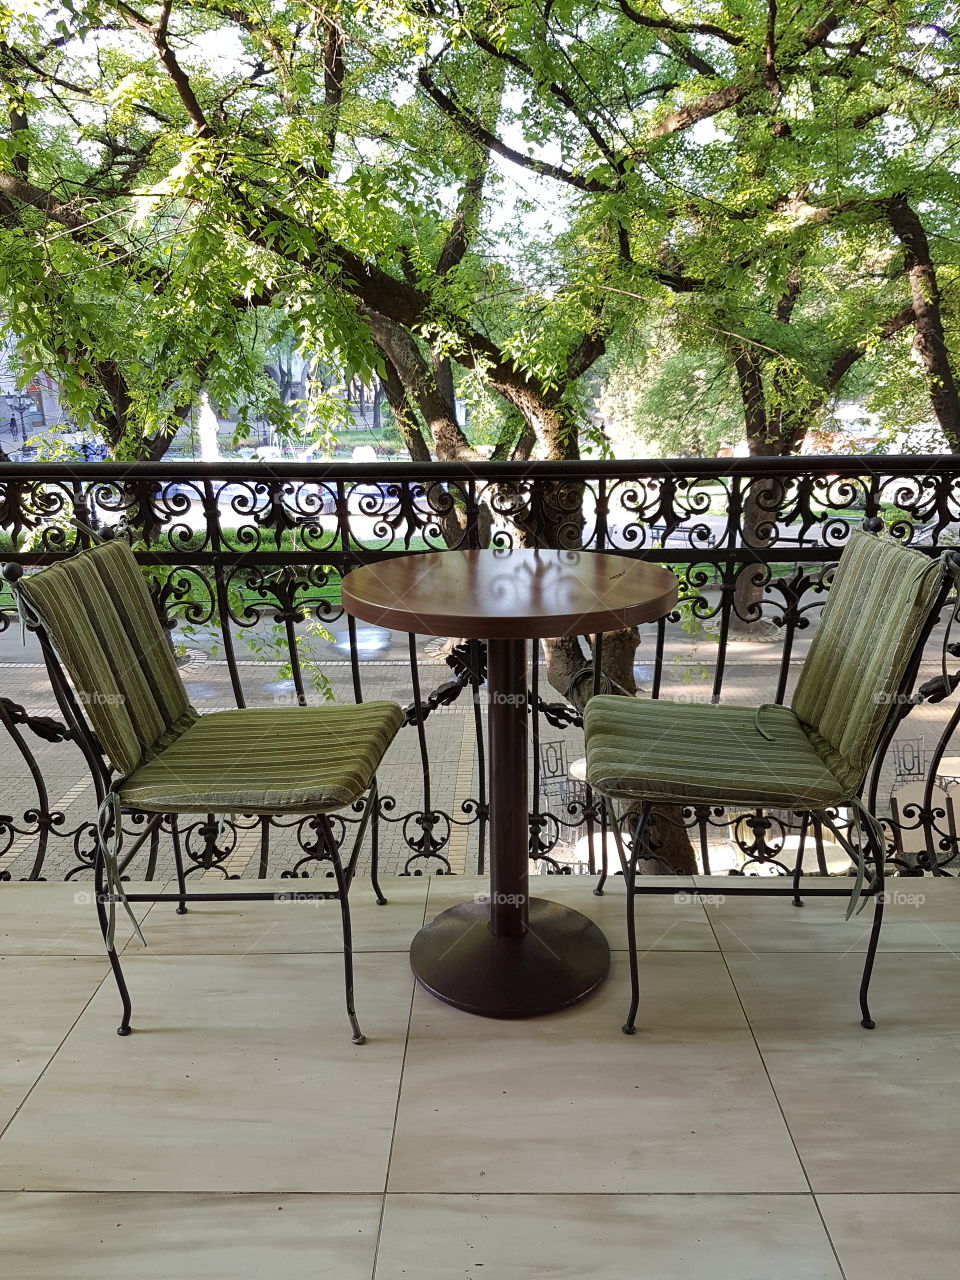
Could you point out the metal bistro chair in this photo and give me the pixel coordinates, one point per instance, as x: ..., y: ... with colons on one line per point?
x: 150, y: 751
x: 812, y: 756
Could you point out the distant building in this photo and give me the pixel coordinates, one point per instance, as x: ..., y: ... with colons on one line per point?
x: 25, y: 411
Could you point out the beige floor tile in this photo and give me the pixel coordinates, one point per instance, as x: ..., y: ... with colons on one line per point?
x: 671, y: 922
x: 868, y: 1110
x: 218, y: 928
x: 894, y: 1237
x: 240, y: 1077
x: 492, y: 1237
x: 178, y: 1237
x: 42, y: 998
x: 920, y: 915
x: 569, y: 1103
x: 41, y: 919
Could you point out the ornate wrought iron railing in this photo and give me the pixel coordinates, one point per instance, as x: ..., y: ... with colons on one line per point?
x: 246, y: 560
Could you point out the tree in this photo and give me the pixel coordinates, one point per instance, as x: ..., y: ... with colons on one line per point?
x: 359, y: 153
x: 743, y: 159
x: 277, y: 186
x: 91, y: 294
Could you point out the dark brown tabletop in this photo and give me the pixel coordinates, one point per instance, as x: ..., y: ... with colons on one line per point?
x: 509, y: 594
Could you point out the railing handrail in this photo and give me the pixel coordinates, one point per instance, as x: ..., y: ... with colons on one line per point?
x: 882, y: 464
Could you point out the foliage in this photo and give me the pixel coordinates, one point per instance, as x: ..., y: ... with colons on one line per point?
x: 668, y: 400
x: 514, y: 189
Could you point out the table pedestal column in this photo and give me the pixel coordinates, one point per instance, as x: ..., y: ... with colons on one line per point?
x: 509, y: 818
x: 507, y: 955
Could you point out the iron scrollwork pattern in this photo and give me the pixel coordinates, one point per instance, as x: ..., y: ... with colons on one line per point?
x: 245, y: 562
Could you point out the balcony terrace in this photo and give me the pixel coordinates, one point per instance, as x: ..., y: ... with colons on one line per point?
x: 750, y: 1129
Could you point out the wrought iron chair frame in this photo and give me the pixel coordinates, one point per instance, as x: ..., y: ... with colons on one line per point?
x: 901, y: 705
x: 328, y: 849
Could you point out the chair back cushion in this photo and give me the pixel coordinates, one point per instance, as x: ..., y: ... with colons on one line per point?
x: 875, y: 615
x: 97, y: 611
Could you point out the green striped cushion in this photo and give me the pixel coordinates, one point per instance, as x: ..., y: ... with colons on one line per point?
x: 283, y: 760
x: 880, y: 598
x: 689, y: 753
x: 101, y: 620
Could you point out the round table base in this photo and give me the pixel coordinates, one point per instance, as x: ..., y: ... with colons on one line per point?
x: 561, y: 958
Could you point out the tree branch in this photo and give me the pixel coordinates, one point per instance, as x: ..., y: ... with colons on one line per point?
x: 168, y: 60
x: 16, y: 188
x: 790, y: 296
x: 563, y: 96
x: 734, y: 93
x: 587, y: 351
x: 708, y: 106
x: 431, y: 388
x: 334, y: 69
x: 473, y: 128
x: 842, y: 363
x: 464, y: 222
x: 403, y: 411
x: 818, y: 34
x: 663, y: 23
x: 930, y: 341
x: 770, y: 79
x: 515, y: 441
x: 19, y: 58
x: 243, y: 20
x: 685, y: 53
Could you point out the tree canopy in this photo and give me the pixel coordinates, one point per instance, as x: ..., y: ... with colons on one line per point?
x: 486, y: 197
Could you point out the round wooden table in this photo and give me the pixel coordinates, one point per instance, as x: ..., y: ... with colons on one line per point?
x: 509, y: 956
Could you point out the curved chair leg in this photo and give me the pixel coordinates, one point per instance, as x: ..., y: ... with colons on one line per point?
x: 99, y: 894
x: 375, y: 846
x: 630, y: 1026
x: 342, y: 890
x: 604, y: 867
x: 798, y: 869
x: 178, y: 859
x: 629, y: 876
x: 865, y: 1018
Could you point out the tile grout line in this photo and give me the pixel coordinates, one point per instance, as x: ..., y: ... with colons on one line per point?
x: 786, y: 1123
x: 396, y: 1110
x: 46, y: 1066
x: 332, y: 1194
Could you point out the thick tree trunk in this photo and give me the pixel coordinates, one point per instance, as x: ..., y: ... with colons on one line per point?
x: 558, y: 522
x: 403, y: 412
x: 553, y: 422
x: 756, y: 528
x: 428, y: 385
x: 930, y: 341
x: 114, y: 421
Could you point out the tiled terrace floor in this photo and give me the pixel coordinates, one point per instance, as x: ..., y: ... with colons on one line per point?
x: 751, y: 1129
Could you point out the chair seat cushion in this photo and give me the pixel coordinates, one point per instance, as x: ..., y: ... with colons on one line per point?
x: 695, y: 753
x: 274, y: 760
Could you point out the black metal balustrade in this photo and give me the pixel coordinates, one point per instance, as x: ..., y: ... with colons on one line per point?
x: 247, y: 558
